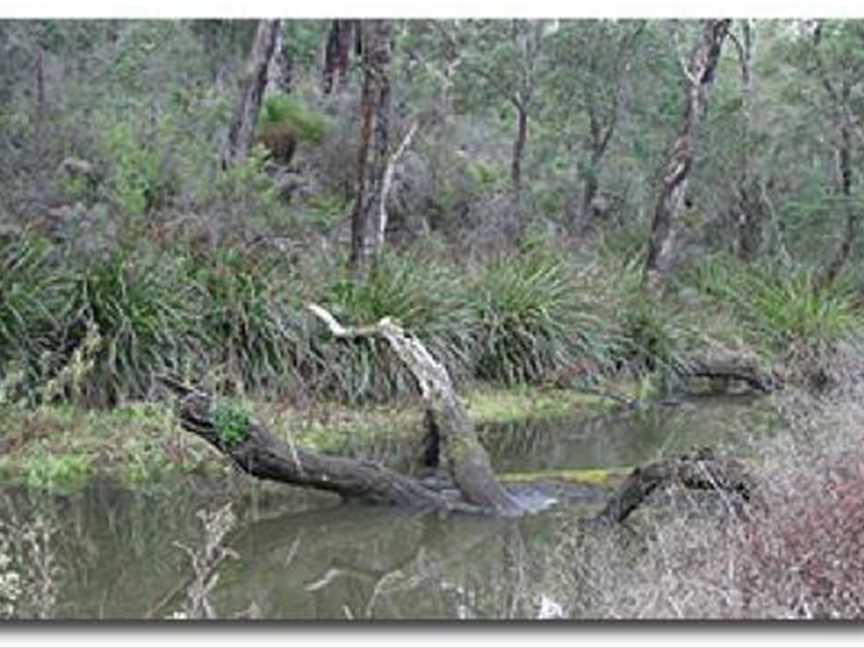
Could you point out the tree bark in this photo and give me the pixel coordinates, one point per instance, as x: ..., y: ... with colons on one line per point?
x: 467, y: 460
x: 265, y: 456
x: 242, y: 132
x: 337, y: 55
x: 700, y: 75
x: 749, y: 203
x: 519, y: 148
x: 701, y: 470
x: 844, y: 172
x: 387, y: 184
x: 280, y: 69
x: 375, y: 121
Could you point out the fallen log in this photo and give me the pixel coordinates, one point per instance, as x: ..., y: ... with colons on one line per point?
x: 447, y: 419
x: 451, y: 434
x: 755, y: 378
x: 700, y: 470
x: 261, y: 454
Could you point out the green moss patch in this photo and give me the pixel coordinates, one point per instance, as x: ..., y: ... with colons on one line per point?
x: 489, y: 405
x: 606, y: 477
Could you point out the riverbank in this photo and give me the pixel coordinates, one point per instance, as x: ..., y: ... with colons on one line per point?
x: 63, y: 447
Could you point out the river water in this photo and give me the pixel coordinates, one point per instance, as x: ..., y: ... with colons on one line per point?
x: 302, y: 555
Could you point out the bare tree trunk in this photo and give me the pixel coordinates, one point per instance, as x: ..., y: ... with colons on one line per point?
x: 602, y: 126
x: 375, y: 121
x: 337, y: 54
x: 844, y: 172
x: 40, y: 84
x: 381, y: 225
x: 265, y: 456
x: 280, y: 70
x: 700, y: 74
x: 749, y: 201
x: 519, y: 148
x: 467, y: 460
x: 242, y: 132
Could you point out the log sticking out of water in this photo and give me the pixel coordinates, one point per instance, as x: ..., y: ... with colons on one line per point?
x: 700, y: 470
x: 446, y: 415
x: 263, y: 455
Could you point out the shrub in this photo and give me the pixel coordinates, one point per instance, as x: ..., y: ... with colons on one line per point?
x: 528, y: 319
x: 787, y: 311
x: 782, y: 305
x: 30, y: 296
x: 141, y: 179
x: 243, y: 315
x: 144, y: 316
x: 232, y: 421
x: 807, y: 557
x: 284, y: 122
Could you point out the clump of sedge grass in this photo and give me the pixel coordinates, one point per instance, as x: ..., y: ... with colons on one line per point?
x: 525, y: 326
x: 144, y: 316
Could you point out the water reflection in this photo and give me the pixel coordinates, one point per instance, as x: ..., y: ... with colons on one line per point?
x: 302, y: 555
x: 624, y: 439
x: 120, y: 560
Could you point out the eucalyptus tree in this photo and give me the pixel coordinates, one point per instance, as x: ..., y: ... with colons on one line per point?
x: 374, y: 134
x: 834, y: 56
x: 699, y: 73
x: 503, y: 60
x: 242, y: 131
x: 337, y: 53
x: 592, y: 62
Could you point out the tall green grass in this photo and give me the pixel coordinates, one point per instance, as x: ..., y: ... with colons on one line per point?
x: 143, y: 316
x: 30, y: 297
x: 783, y: 306
x: 239, y: 318
x: 242, y: 301
x: 529, y: 319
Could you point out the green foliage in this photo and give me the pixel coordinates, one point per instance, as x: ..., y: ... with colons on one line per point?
x: 487, y: 176
x: 143, y: 315
x: 50, y: 472
x: 424, y: 298
x: 526, y: 319
x: 783, y: 306
x: 243, y: 314
x: 245, y: 190
x: 29, y: 298
x: 232, y: 420
x: 139, y: 181
x: 282, y: 114
x: 652, y: 338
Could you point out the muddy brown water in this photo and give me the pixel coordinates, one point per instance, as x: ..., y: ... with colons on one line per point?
x: 305, y: 556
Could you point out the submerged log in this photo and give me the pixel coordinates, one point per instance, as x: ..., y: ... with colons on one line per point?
x: 261, y: 454
x: 446, y: 415
x: 700, y: 470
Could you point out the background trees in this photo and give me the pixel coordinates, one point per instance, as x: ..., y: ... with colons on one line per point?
x: 459, y: 143
x: 573, y: 117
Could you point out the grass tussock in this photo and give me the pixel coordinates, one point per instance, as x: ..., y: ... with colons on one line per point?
x: 235, y: 317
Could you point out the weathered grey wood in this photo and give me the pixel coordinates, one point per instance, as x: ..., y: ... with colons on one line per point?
x: 700, y: 470
x: 699, y: 73
x: 265, y: 456
x: 467, y: 460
